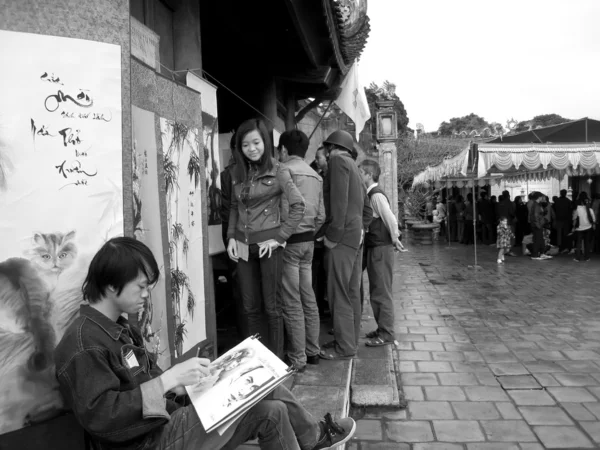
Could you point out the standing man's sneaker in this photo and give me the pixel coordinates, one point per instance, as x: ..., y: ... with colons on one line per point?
x: 536, y: 258
x: 542, y: 256
x: 334, y: 433
x: 575, y: 259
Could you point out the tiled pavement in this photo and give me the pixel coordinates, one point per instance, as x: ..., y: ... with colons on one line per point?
x: 499, y: 357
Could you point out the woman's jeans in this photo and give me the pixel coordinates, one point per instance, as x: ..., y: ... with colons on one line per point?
x: 584, y: 236
x: 279, y: 422
x: 259, y: 281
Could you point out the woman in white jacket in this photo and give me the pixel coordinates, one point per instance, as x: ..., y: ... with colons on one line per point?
x: 584, y: 223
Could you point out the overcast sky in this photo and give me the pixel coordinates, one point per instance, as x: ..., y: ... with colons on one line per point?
x: 497, y: 59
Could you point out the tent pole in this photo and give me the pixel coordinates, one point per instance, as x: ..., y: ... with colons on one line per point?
x: 474, y: 223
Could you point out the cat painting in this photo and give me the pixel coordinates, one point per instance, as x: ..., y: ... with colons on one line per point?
x: 39, y: 298
x: 52, y: 253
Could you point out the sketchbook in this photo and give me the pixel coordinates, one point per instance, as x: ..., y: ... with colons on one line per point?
x: 238, y: 380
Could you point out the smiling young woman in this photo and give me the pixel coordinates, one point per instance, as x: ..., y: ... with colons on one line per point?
x: 257, y: 234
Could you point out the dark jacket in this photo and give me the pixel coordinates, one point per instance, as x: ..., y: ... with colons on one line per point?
x: 485, y: 210
x: 226, y: 190
x: 347, y: 202
x: 508, y: 209
x: 563, y: 209
x: 310, y: 186
x: 255, y: 206
x: 537, y: 217
x: 120, y: 407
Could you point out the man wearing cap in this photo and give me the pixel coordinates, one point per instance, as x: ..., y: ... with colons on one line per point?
x: 343, y: 238
x: 300, y: 311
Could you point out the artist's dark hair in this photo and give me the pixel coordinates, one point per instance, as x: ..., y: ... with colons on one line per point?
x: 372, y: 167
x: 118, y: 262
x: 265, y: 163
x: 582, y: 198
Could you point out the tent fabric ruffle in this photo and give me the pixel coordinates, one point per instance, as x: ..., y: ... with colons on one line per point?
x: 450, y: 167
x: 560, y: 157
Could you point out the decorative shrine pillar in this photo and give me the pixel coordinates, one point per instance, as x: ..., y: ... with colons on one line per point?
x: 387, y: 135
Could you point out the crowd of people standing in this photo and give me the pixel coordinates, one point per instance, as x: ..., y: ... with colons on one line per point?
x: 543, y: 228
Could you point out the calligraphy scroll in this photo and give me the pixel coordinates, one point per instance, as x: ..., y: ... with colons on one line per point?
x: 60, y: 200
x: 182, y: 170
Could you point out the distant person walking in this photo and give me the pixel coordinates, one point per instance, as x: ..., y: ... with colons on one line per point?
x: 584, y: 223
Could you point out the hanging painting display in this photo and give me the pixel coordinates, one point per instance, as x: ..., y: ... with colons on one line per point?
x: 182, y: 167
x: 147, y: 228
x: 212, y: 163
x: 60, y: 200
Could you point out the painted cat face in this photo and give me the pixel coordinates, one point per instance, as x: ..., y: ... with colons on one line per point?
x: 53, y: 252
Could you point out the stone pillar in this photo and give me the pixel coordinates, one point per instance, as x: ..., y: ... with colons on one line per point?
x: 187, y: 52
x: 387, y: 135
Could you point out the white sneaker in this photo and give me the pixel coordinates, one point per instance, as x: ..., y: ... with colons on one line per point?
x: 499, y: 261
x: 527, y: 253
x: 572, y: 252
x: 536, y: 258
x: 542, y: 256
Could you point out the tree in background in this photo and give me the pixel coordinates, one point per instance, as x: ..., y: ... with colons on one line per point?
x: 463, y: 126
x: 544, y: 120
x: 414, y: 155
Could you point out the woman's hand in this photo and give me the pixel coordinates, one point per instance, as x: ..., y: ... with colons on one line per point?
x: 267, y: 247
x: 232, y: 250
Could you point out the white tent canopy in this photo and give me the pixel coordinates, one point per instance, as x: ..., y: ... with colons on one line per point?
x: 556, y: 159
x: 451, y: 167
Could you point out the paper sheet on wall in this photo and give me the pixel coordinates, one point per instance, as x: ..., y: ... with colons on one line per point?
x: 60, y: 197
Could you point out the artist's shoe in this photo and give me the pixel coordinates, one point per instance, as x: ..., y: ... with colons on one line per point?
x: 313, y: 359
x: 334, y: 434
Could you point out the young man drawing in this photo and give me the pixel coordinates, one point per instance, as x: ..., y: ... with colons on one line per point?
x: 380, y: 242
x: 125, y: 401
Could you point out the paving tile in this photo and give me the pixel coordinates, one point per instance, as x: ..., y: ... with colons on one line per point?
x: 407, y: 366
x: 545, y: 355
x: 571, y: 394
x: 448, y: 356
x: 580, y: 412
x: 458, y: 379
x: 543, y: 367
x: 545, y: 379
x: 439, y: 338
x: 493, y: 446
x: 368, y: 430
x: 429, y: 346
x: 545, y: 415
x: 434, y: 366
x: 485, y: 394
x: 383, y: 446
x: 459, y: 347
x: 518, y: 382
x: 419, y: 379
x: 594, y: 408
x: 473, y: 357
x: 409, y: 431
x: 477, y: 367
x: 475, y: 410
x: 508, y: 431
x: 443, y: 393
x: 438, y: 446
x: 579, y: 366
x: 499, y: 357
x: 414, y: 356
x: 458, y: 431
x: 531, y: 398
x: 593, y: 429
x: 508, y: 411
x: 581, y: 355
x: 487, y: 379
x: 509, y: 369
x: 413, y: 393
x: 400, y: 414
x: 531, y: 447
x: 430, y: 410
x: 562, y: 437
x: 575, y: 379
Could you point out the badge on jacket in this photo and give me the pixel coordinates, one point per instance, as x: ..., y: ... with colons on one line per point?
x: 131, y: 360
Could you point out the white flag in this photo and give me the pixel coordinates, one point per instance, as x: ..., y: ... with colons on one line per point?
x: 353, y: 100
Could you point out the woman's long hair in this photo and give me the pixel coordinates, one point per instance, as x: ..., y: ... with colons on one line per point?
x: 265, y: 163
x: 582, y: 199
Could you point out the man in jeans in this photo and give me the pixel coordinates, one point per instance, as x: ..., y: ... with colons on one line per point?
x: 125, y: 401
x: 380, y: 242
x: 300, y: 311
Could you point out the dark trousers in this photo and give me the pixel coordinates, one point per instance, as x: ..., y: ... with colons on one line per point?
x: 344, y: 266
x: 468, y: 233
x: 538, y: 241
x: 319, y: 278
x: 585, y: 237
x: 380, y: 269
x: 487, y: 233
x: 260, y: 287
x: 562, y: 231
